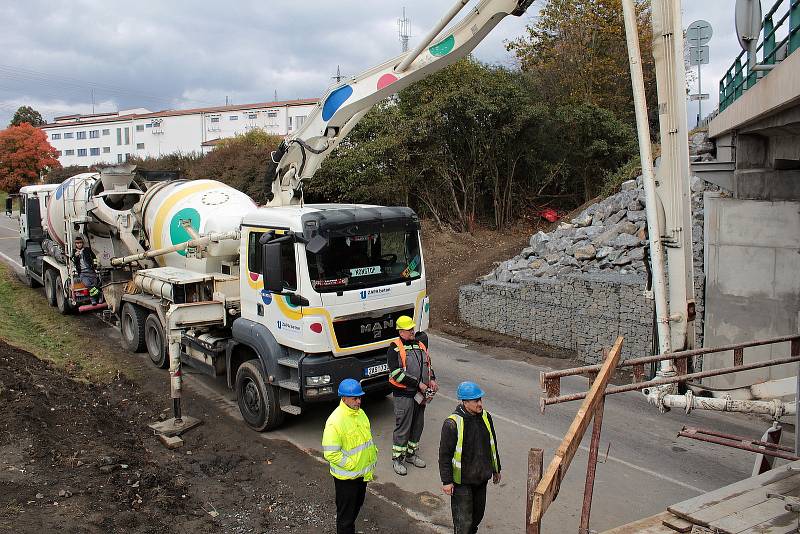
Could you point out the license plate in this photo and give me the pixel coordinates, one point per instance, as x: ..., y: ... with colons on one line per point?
x: 376, y: 369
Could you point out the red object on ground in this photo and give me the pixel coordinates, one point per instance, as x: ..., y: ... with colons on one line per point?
x: 549, y: 214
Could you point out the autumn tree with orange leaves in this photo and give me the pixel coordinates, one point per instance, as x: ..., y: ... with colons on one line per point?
x: 24, y: 153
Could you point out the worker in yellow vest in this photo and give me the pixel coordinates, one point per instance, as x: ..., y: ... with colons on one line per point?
x: 413, y: 386
x: 468, y: 458
x: 348, y: 447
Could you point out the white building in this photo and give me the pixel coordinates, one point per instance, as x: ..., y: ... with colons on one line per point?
x: 114, y: 137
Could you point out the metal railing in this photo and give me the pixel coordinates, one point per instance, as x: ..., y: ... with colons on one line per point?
x: 741, y: 76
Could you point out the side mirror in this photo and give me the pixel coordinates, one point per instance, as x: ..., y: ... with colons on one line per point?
x: 271, y: 267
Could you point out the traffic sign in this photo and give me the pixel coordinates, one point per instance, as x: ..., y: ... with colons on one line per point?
x: 703, y: 96
x: 698, y: 55
x: 699, y: 33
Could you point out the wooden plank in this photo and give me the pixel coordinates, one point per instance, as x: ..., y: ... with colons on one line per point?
x: 749, y: 517
x: 686, y: 508
x: 535, y: 467
x: 677, y: 524
x: 648, y: 525
x: 782, y: 524
x: 547, y: 489
x: 736, y: 502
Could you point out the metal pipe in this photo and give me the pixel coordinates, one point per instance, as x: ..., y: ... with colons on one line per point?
x: 428, y: 39
x: 794, y: 350
x: 675, y: 355
x: 222, y: 236
x: 689, y: 402
x: 646, y: 156
x: 591, y: 468
x: 669, y: 380
x: 740, y: 438
x: 737, y: 445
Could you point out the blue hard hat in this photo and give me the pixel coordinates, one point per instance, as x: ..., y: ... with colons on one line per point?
x: 350, y: 388
x: 469, y: 391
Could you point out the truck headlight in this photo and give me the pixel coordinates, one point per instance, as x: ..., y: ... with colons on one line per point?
x: 318, y: 380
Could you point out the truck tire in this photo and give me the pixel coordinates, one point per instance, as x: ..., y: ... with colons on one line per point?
x: 50, y: 287
x: 258, y: 401
x: 62, y: 302
x: 155, y: 341
x: 131, y: 325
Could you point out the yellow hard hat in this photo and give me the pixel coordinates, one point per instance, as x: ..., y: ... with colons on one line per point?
x: 404, y: 322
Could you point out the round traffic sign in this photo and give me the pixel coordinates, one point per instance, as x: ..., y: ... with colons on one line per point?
x: 699, y: 33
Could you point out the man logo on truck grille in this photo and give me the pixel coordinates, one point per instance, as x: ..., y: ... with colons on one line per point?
x: 376, y: 327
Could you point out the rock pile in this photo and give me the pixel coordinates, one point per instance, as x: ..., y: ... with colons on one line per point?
x: 610, y: 235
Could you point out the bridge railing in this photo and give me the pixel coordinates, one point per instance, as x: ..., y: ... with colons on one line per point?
x: 779, y: 37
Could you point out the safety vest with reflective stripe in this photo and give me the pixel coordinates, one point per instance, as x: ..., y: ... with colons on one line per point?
x: 459, y: 421
x: 347, y: 444
x: 398, y: 374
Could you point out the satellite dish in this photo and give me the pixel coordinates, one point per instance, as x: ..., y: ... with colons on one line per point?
x: 748, y: 22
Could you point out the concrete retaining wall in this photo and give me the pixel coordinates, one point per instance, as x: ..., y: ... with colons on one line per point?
x: 582, y: 312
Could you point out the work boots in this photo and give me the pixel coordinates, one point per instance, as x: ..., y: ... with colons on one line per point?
x: 399, y: 468
x: 415, y: 460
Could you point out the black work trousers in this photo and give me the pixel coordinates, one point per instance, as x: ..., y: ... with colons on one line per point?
x: 349, y: 498
x: 468, y: 503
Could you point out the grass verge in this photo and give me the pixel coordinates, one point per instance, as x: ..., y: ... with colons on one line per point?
x: 27, y: 322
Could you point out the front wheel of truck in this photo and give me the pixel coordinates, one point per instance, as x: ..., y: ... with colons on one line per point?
x: 258, y: 401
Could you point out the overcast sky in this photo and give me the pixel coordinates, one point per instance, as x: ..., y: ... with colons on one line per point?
x: 181, y: 54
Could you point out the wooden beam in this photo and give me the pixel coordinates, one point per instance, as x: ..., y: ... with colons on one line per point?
x: 535, y: 466
x: 548, y: 487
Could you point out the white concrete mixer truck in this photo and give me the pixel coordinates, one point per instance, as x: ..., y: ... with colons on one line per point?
x: 284, y: 300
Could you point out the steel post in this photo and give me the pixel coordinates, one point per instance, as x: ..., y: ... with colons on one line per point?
x: 690, y: 433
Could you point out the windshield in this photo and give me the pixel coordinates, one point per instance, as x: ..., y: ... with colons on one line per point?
x: 366, y: 260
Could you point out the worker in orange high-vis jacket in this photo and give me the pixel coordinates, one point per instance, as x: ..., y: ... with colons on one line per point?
x: 347, y: 445
x: 413, y: 385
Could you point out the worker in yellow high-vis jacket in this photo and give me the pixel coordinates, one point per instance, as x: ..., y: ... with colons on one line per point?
x: 348, y: 447
x: 468, y: 458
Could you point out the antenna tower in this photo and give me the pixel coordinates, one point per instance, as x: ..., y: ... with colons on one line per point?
x: 403, y: 27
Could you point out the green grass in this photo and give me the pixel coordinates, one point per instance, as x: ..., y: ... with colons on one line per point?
x: 3, y: 197
x: 27, y: 322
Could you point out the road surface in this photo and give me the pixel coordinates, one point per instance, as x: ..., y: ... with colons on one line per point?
x: 647, y: 467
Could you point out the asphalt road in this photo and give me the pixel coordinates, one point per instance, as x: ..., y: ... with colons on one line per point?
x: 647, y: 467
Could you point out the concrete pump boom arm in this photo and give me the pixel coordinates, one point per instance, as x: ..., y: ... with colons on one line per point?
x: 345, y: 103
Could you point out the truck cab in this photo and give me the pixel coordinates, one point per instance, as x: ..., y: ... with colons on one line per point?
x: 32, y: 207
x: 320, y: 290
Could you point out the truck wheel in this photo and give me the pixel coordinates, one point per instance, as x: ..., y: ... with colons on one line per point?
x: 155, y: 341
x: 258, y: 401
x: 49, y: 287
x: 131, y: 325
x: 62, y: 302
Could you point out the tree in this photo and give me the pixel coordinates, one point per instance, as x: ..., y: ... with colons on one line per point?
x: 24, y: 153
x: 29, y: 115
x: 576, y: 53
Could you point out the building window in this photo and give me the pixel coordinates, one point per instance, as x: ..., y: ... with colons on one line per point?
x: 233, y: 118
x: 252, y: 116
x: 106, y: 131
x: 119, y: 138
x: 94, y: 134
x: 127, y: 136
x: 80, y: 135
x: 106, y: 150
x: 94, y: 151
x: 299, y: 120
x: 81, y: 152
x: 69, y: 152
x: 68, y: 135
x: 139, y: 146
x: 119, y: 158
x: 150, y: 125
x: 140, y: 127
x: 272, y: 114
x: 55, y: 136
x: 127, y: 157
x: 214, y: 119
x: 290, y: 123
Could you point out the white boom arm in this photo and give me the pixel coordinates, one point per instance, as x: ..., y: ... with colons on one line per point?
x: 344, y: 104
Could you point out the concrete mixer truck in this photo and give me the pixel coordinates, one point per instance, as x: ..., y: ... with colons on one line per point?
x: 284, y: 300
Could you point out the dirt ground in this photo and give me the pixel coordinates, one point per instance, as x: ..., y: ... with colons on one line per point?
x: 78, y: 457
